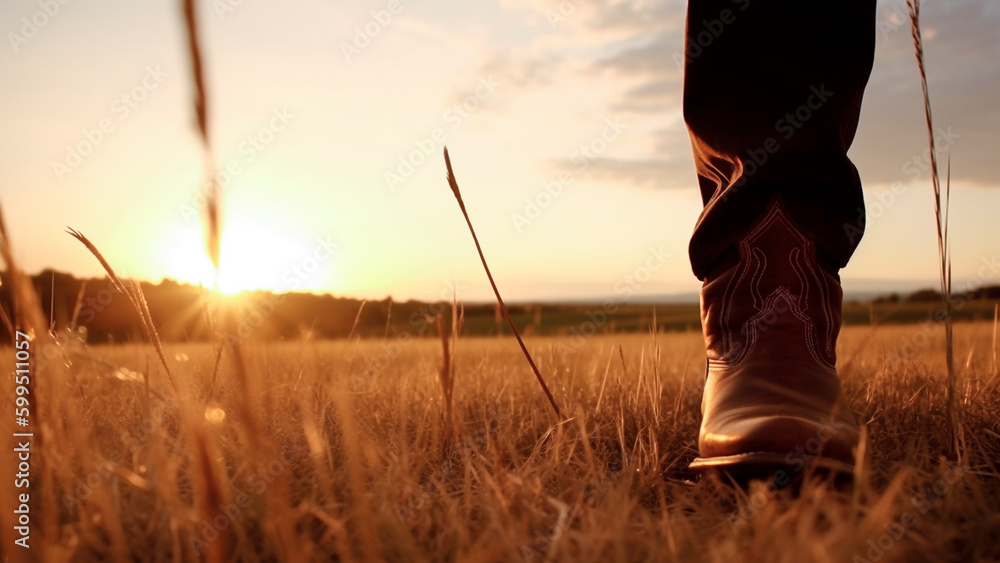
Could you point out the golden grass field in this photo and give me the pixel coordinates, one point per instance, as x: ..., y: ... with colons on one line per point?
x: 341, y: 451
x: 349, y: 451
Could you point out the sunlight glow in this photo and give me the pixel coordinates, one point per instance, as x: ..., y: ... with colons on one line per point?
x: 254, y: 256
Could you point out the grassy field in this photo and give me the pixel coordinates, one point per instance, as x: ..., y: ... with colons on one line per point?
x: 567, y: 320
x: 347, y: 450
x: 342, y: 451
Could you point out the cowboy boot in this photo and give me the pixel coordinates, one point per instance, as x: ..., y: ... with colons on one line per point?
x: 772, y: 399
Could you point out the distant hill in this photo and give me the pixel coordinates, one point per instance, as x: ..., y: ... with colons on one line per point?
x: 180, y: 316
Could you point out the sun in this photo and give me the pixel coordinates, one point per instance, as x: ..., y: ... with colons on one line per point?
x: 253, y: 256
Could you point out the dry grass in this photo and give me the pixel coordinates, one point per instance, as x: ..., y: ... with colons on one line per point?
x: 457, y: 192
x: 321, y: 472
x: 275, y: 452
x: 942, y: 206
x: 133, y: 291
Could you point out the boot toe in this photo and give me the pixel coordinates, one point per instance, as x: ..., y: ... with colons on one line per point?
x: 779, y: 442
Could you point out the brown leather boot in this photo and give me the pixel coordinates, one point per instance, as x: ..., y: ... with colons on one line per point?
x: 773, y: 401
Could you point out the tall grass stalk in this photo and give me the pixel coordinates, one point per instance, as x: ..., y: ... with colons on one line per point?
x: 212, y: 494
x: 450, y: 351
x: 996, y: 317
x: 447, y: 373
x: 5, y: 319
x: 133, y: 291
x: 216, y: 347
x: 388, y: 320
x: 27, y: 317
x: 77, y: 306
x: 213, y: 214
x: 27, y: 314
x: 503, y: 307
x: 213, y: 227
x: 942, y: 205
x: 357, y: 319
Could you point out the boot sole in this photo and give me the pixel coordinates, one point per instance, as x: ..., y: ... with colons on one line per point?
x: 765, y: 463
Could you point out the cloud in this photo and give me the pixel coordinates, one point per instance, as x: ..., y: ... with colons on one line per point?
x: 644, y: 172
x: 638, y: 44
x: 961, y: 39
x: 522, y: 72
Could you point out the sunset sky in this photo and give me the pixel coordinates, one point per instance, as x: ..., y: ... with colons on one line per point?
x: 324, y: 128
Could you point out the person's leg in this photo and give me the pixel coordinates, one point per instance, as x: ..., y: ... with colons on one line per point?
x: 772, y: 97
x: 772, y: 102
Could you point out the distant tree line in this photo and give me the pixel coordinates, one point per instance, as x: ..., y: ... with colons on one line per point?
x: 179, y: 312
x: 180, y: 315
x: 990, y: 293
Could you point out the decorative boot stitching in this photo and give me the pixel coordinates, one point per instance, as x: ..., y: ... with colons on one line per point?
x: 752, y: 280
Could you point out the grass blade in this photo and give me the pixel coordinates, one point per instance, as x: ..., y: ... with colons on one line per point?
x: 212, y: 205
x: 942, y: 205
x: 135, y: 297
x: 453, y: 183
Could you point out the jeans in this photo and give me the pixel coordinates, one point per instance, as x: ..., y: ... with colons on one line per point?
x: 772, y: 98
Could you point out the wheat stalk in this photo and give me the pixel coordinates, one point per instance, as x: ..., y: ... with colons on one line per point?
x: 78, y: 306
x: 28, y: 318
x: 388, y: 319
x: 5, y: 319
x: 133, y: 291
x: 212, y: 204
x: 447, y: 373
x: 357, y: 318
x: 213, y: 494
x: 942, y: 205
x: 27, y: 314
x: 996, y: 317
x: 503, y: 308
